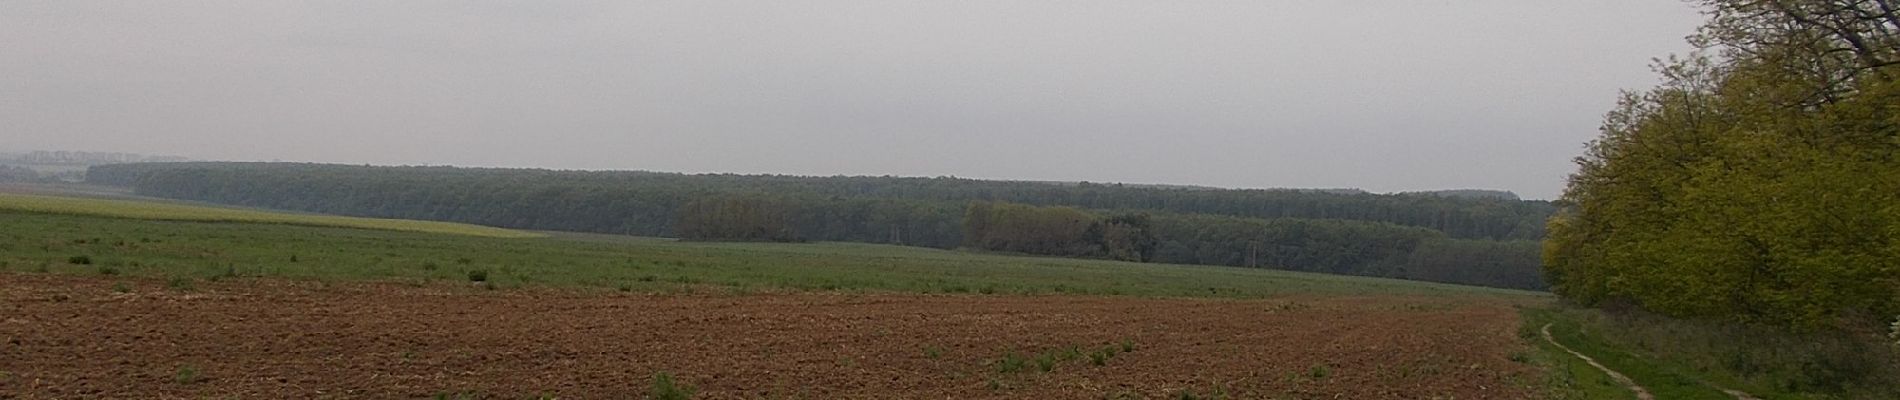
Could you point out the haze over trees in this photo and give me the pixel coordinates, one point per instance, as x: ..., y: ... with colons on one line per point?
x: 1758, y: 183
x: 1412, y: 236
x: 55, y: 166
x: 83, y: 158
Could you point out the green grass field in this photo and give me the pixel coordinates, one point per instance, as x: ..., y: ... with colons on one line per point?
x: 54, y: 237
x: 181, y: 212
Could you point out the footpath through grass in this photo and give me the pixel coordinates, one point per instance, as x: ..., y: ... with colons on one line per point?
x: 1679, y: 359
x: 85, y: 244
x: 182, y: 212
x: 1568, y: 377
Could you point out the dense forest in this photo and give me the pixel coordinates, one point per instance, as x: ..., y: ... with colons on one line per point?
x: 9, y: 173
x: 1059, y: 231
x: 1760, y: 183
x: 1449, y: 238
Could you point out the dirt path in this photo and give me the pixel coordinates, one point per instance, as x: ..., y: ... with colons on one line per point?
x: 1631, y: 384
x: 1617, y: 376
x: 78, y: 337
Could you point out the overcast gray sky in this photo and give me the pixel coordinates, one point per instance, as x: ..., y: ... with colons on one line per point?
x: 1381, y: 95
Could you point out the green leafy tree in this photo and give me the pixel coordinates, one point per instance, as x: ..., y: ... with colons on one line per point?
x: 1758, y: 183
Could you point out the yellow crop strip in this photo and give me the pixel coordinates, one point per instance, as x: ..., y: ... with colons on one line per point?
x: 182, y: 212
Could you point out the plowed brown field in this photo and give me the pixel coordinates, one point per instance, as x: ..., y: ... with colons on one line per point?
x: 77, y: 337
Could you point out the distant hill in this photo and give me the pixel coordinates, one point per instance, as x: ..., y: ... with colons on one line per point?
x: 318, y: 187
x: 1469, y: 194
x: 1190, y: 187
x: 1124, y: 185
x: 1482, y: 240
x: 44, y: 157
x: 69, y: 166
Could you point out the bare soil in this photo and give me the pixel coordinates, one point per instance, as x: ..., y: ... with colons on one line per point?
x: 77, y: 337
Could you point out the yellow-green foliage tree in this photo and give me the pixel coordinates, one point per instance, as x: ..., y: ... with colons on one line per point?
x: 1759, y: 182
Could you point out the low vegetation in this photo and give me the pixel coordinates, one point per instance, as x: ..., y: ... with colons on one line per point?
x: 1688, y: 359
x: 179, y: 283
x: 179, y: 253
x: 1566, y: 377
x: 933, y: 352
x: 1484, y: 240
x: 168, y: 249
x: 665, y: 388
x: 1049, y: 359
x: 187, y: 374
x: 182, y: 212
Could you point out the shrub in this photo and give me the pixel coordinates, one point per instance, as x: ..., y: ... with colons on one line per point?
x: 1046, y: 362
x: 187, y: 374
x: 79, y: 260
x: 933, y: 352
x: 478, y: 275
x: 664, y: 388
x: 1071, y: 353
x: 1011, y: 363
x: 179, y: 283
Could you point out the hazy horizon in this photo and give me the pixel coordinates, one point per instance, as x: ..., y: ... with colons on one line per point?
x: 4, y: 151
x: 1380, y: 96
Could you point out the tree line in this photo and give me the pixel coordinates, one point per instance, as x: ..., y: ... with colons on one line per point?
x: 10, y: 173
x: 1460, y: 217
x: 1021, y: 217
x: 1757, y: 184
x: 1058, y: 231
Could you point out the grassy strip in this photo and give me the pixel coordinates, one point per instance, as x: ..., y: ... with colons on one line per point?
x: 1568, y: 377
x: 191, y: 250
x: 182, y: 212
x: 1661, y: 379
x: 1678, y: 359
